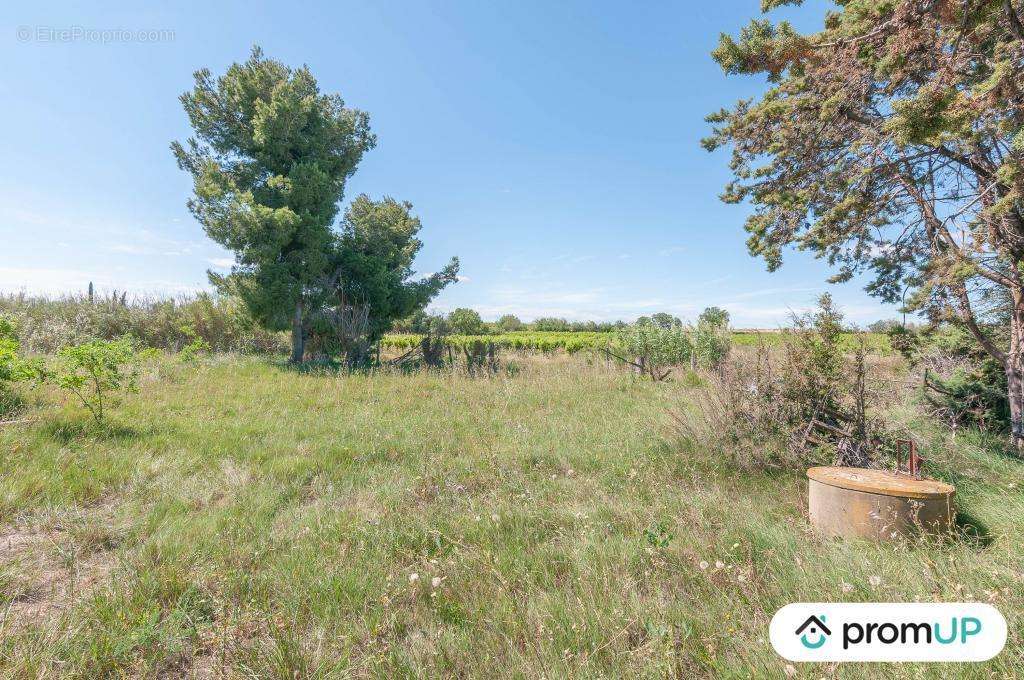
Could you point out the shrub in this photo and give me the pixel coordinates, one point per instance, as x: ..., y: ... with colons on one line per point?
x: 93, y: 370
x: 13, y: 368
x: 551, y: 324
x: 804, y: 402
x: 422, y: 323
x: 651, y: 349
x: 509, y: 323
x: 814, y: 375
x: 905, y: 341
x: 190, y: 353
x: 961, y: 384
x: 741, y: 411
x: 661, y: 319
x: 466, y: 322
x: 48, y: 325
x: 711, y: 338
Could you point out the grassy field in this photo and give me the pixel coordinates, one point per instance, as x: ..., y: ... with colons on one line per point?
x: 239, y: 519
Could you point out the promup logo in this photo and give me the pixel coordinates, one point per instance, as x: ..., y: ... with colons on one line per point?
x: 882, y: 631
x: 818, y: 631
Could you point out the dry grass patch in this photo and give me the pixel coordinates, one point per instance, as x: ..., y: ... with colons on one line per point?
x: 51, y: 563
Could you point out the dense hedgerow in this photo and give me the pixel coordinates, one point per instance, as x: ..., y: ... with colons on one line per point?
x: 47, y: 325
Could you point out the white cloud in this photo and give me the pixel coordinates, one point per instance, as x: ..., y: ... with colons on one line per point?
x: 222, y: 262
x: 56, y: 282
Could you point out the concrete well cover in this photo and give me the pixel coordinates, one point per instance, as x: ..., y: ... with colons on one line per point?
x: 880, y: 482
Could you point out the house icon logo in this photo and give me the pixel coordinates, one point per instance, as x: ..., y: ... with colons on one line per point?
x: 813, y: 632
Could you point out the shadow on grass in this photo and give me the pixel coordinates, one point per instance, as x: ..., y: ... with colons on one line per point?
x: 68, y: 431
x: 972, y: 531
x: 11, y: 404
x: 323, y: 367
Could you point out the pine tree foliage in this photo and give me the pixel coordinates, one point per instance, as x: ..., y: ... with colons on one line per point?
x: 891, y: 143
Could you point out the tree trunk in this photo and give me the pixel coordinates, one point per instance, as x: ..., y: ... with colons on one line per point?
x: 1015, y: 373
x: 298, y: 335
x: 1012, y: 359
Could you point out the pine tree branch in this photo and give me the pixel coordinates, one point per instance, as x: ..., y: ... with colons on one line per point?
x: 966, y: 313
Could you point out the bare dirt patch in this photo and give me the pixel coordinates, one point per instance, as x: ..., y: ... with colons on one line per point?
x: 47, y: 564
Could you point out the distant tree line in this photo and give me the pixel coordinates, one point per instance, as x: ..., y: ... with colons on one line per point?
x: 466, y: 321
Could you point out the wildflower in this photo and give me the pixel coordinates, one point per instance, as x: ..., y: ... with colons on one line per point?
x: 719, y: 564
x: 494, y: 517
x: 413, y: 577
x: 435, y: 582
x: 875, y: 580
x: 703, y: 564
x: 846, y: 587
x: 790, y: 670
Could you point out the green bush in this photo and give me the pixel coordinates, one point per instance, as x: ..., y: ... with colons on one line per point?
x: 711, y: 338
x: 963, y: 385
x: 551, y: 324
x: 466, y: 322
x: 509, y: 323
x: 190, y: 353
x: 94, y: 370
x: 13, y: 368
x: 651, y: 349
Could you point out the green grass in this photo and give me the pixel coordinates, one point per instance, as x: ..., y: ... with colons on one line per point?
x: 243, y: 519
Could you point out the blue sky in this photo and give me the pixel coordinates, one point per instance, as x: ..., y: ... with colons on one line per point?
x: 554, y: 147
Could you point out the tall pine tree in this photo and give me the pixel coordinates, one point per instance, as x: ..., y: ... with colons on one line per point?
x: 269, y: 161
